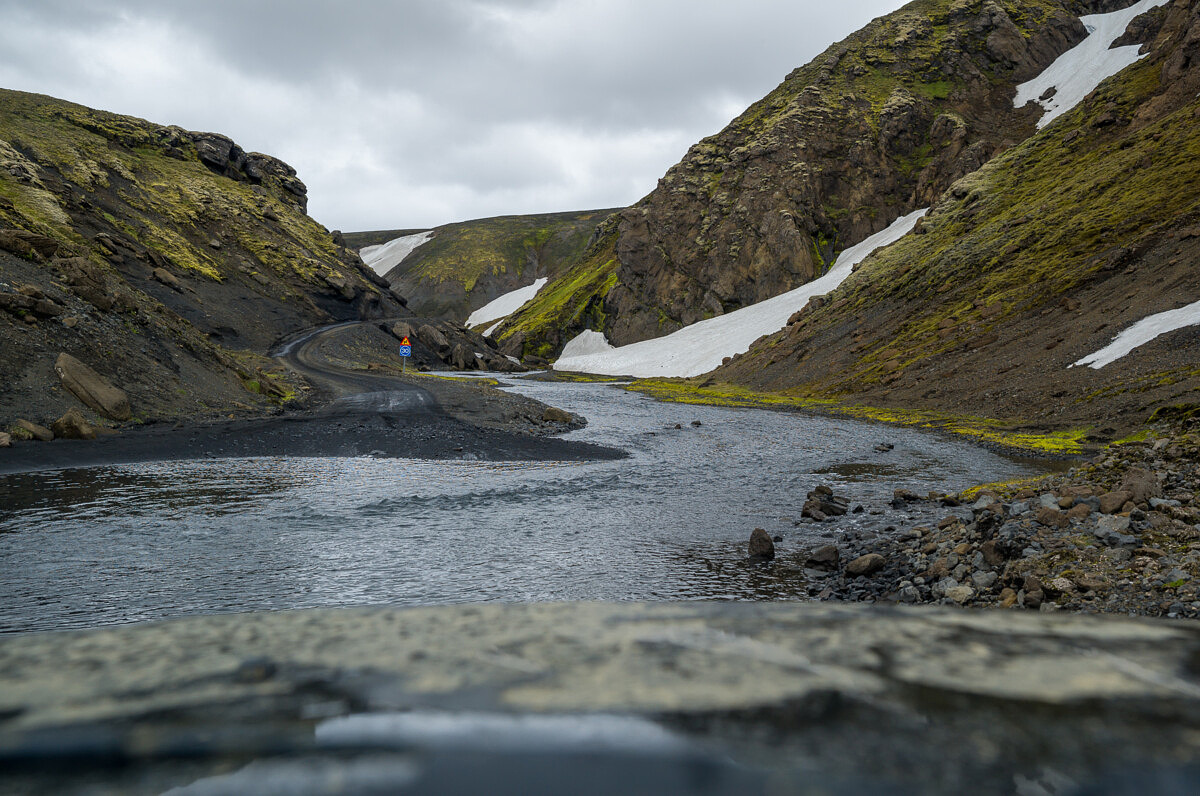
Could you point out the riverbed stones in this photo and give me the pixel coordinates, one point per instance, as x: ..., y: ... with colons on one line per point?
x: 1141, y: 484
x: 1112, y: 502
x: 865, y: 565
x: 92, y: 389
x: 825, y: 557
x: 73, y: 425
x: 1052, y: 517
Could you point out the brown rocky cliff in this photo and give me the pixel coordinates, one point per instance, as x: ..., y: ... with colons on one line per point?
x: 873, y: 128
x: 1031, y: 263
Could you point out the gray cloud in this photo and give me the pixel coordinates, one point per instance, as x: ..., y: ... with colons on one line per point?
x: 400, y: 114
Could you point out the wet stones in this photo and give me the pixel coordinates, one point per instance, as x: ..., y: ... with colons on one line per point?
x: 761, y: 547
x: 825, y: 558
x: 822, y: 504
x: 867, y: 564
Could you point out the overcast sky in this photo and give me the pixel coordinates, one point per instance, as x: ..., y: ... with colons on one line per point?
x: 415, y: 113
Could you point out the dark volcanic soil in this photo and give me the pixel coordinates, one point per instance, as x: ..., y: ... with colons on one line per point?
x: 364, y: 407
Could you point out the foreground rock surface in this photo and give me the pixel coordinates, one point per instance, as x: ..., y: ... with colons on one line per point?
x: 929, y: 700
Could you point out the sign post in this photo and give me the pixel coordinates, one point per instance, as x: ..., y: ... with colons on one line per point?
x: 405, y: 353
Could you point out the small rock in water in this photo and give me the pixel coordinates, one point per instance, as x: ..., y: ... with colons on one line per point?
x: 761, y: 546
x: 884, y: 447
x: 697, y: 423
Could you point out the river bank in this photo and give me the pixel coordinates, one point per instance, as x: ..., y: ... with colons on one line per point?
x: 1118, y: 534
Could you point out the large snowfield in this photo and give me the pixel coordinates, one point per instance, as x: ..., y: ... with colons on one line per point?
x: 384, y: 258
x: 1078, y: 71
x: 700, y: 347
x: 500, y: 308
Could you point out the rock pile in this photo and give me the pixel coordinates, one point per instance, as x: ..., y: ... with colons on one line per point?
x: 1120, y: 534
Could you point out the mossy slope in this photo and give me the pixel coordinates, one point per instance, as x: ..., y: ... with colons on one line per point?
x: 874, y: 127
x: 180, y: 259
x: 1029, y: 264
x: 465, y: 265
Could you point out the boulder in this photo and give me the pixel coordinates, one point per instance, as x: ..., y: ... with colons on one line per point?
x: 1052, y: 518
x: 761, y: 545
x: 1111, y: 502
x: 463, y: 358
x: 91, y: 388
x: 28, y: 244
x: 40, y: 433
x: 434, y: 339
x: 167, y: 278
x: 865, y: 565
x: 402, y: 329
x: 5, y: 439
x: 1141, y: 485
x: 73, y: 425
x: 825, y: 558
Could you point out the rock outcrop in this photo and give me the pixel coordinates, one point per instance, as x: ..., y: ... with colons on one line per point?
x: 725, y: 694
x: 875, y: 127
x: 173, y: 260
x: 92, y: 389
x: 1028, y: 265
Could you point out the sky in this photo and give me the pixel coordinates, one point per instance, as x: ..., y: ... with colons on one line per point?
x: 414, y: 113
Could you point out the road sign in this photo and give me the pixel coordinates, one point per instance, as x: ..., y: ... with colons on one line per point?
x: 404, y: 341
x: 405, y: 350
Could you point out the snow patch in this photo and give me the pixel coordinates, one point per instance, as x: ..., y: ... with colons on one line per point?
x: 1078, y: 71
x: 700, y: 347
x: 1141, y: 333
x: 500, y: 308
x: 387, y: 256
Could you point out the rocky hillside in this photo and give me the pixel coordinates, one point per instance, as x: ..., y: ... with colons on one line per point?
x: 166, y: 261
x: 465, y: 265
x: 876, y: 126
x: 1030, y: 264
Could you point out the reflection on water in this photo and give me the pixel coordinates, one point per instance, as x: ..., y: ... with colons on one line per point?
x: 120, y: 544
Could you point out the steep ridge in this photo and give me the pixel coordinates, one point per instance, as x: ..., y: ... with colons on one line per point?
x: 1030, y: 265
x: 874, y: 128
x: 167, y: 261
x: 465, y: 265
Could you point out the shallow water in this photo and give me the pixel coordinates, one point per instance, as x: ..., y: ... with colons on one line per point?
x: 81, y: 548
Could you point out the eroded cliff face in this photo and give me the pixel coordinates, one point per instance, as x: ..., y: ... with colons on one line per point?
x: 878, y: 125
x: 168, y: 261
x: 1030, y: 264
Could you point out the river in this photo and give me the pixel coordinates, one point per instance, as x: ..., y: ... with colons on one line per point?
x: 110, y: 545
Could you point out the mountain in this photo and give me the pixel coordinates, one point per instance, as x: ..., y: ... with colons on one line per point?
x: 878, y: 125
x: 465, y: 265
x: 167, y: 261
x: 1031, y: 264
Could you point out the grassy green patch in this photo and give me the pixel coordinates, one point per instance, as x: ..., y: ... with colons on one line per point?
x: 979, y: 429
